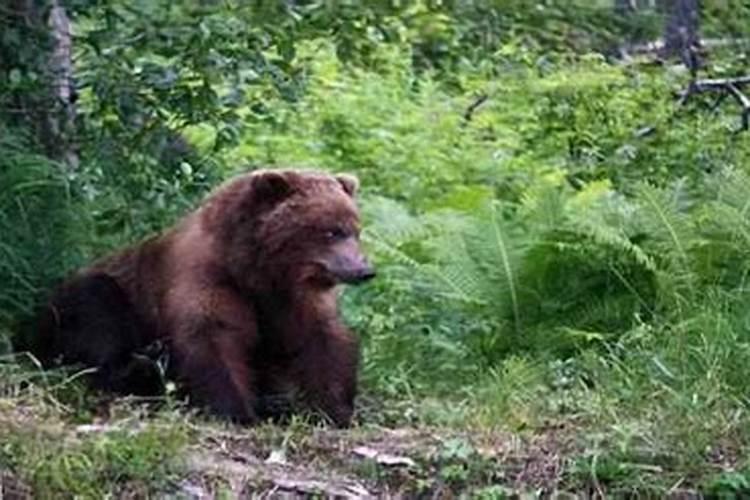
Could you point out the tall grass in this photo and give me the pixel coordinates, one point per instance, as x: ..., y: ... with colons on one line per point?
x: 38, y: 224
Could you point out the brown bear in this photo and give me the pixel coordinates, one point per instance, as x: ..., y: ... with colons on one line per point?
x: 241, y: 292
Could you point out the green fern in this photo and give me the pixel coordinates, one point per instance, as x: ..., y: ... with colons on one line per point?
x: 408, y: 244
x: 606, y: 219
x: 537, y: 262
x: 495, y: 252
x: 723, y: 258
x: 671, y: 236
x: 730, y: 212
x: 589, y: 260
x: 666, y: 222
x: 388, y: 221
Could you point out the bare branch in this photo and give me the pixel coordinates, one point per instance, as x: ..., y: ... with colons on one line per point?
x: 721, y: 83
x: 744, y: 102
x: 725, y: 86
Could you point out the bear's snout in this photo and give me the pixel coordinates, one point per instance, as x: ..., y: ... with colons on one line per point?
x: 350, y: 269
x: 365, y: 274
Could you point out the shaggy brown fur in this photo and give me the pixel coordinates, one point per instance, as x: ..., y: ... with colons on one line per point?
x: 242, y: 291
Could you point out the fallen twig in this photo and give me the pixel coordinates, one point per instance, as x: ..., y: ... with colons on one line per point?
x: 383, y: 458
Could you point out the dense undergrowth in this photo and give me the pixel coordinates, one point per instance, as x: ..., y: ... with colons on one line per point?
x: 558, y: 241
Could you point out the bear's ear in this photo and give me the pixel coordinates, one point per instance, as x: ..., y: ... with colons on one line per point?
x: 270, y: 186
x: 349, y: 183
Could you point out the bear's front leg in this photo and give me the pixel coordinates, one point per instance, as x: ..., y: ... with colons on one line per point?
x: 217, y: 376
x: 328, y: 373
x: 212, y: 342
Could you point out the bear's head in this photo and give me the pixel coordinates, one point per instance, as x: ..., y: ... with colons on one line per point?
x: 283, y: 229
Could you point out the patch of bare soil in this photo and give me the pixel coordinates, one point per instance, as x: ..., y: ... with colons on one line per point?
x: 376, y: 463
x: 12, y: 488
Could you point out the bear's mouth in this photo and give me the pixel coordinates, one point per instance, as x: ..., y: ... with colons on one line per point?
x: 357, y: 277
x: 349, y: 271
x: 329, y: 276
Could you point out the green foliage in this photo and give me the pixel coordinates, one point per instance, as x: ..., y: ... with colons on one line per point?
x: 24, y: 76
x: 727, y: 18
x: 530, y: 274
x: 728, y: 485
x: 96, y: 465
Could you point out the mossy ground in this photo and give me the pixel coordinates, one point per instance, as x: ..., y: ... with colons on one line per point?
x: 59, y: 440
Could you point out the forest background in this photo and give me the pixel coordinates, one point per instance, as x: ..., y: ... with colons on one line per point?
x: 555, y: 193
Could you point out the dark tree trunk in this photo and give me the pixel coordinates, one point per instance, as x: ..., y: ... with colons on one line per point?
x: 625, y: 6
x: 681, y: 38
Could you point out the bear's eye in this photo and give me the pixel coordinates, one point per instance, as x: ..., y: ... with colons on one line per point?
x: 335, y: 233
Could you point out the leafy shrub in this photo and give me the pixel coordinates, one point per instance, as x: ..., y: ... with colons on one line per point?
x: 527, y: 226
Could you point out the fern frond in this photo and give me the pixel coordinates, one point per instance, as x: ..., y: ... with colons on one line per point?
x: 392, y: 221
x: 600, y: 232
x: 734, y: 190
x: 672, y: 237
x: 444, y: 280
x: 731, y: 209
x: 497, y: 249
x: 665, y: 223
x: 543, y: 204
x: 730, y: 223
x: 502, y: 246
